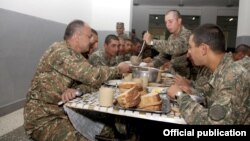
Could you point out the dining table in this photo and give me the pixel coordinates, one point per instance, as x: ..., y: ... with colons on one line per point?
x: 89, y: 102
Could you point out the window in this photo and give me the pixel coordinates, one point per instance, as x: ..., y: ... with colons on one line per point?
x: 229, y: 26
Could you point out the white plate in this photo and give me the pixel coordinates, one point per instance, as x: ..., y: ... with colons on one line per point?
x: 113, y: 82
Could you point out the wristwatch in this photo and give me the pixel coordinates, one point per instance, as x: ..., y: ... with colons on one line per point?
x: 152, y: 43
x: 78, y: 92
x: 179, y: 94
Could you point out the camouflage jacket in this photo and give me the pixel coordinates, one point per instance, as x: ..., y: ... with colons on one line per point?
x: 228, y: 99
x: 245, y: 62
x: 127, y: 57
x: 59, y: 68
x: 174, y: 46
x: 202, y: 77
x: 124, y: 36
x: 120, y: 58
x: 180, y: 66
x: 99, y: 58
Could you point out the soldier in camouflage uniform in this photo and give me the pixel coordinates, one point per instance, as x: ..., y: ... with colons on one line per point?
x: 242, y: 55
x: 121, y: 51
x: 199, y: 77
x: 93, y: 44
x: 176, y: 45
x: 136, y: 46
x: 241, y: 51
x: 120, y: 30
x: 245, y: 62
x: 228, y: 99
x: 127, y: 49
x: 106, y: 56
x: 61, y: 66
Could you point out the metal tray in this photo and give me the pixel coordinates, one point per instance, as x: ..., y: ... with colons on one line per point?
x: 165, y: 108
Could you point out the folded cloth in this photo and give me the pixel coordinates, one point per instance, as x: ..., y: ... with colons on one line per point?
x: 84, y: 125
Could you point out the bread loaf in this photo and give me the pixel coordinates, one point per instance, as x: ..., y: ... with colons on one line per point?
x: 151, y: 99
x: 124, y: 86
x: 127, y: 85
x: 129, y: 98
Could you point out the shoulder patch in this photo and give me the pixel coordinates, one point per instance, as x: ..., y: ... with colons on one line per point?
x: 217, y: 112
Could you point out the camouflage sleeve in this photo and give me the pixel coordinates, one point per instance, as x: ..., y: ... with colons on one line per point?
x: 79, y: 69
x: 159, y: 60
x: 127, y: 57
x: 221, y: 110
x: 194, y: 113
x: 172, y: 46
x: 86, y: 88
x: 201, y: 84
x: 96, y: 60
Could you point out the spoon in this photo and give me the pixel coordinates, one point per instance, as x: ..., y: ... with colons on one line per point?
x: 141, y: 49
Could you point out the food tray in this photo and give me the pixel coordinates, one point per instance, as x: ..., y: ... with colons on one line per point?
x: 165, y: 108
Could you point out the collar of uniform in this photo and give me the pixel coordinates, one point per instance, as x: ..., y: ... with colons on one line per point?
x: 178, y: 34
x: 102, y: 51
x: 225, y: 60
x: 78, y: 55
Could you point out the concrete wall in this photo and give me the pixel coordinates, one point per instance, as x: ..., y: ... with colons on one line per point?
x: 28, y: 27
x: 23, y: 39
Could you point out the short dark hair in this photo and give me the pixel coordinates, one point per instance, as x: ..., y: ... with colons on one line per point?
x: 176, y: 12
x: 242, y: 48
x: 136, y: 40
x: 143, y: 32
x: 245, y: 49
x: 111, y: 37
x: 211, y: 35
x: 72, y: 28
x: 94, y: 31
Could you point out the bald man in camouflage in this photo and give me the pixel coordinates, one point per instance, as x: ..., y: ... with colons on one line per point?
x: 61, y: 66
x: 175, y: 46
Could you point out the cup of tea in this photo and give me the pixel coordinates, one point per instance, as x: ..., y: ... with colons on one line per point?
x: 105, y: 96
x: 127, y: 77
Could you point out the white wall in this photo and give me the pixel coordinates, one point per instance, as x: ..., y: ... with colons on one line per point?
x: 208, y: 14
x: 28, y: 27
x: 105, y: 14
x: 244, y: 18
x: 100, y: 14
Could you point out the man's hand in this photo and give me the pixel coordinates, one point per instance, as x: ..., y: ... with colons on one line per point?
x: 150, y: 64
x: 148, y: 60
x: 68, y: 95
x: 172, y: 90
x: 183, y: 83
x: 123, y: 67
x: 148, y: 38
x: 166, y: 66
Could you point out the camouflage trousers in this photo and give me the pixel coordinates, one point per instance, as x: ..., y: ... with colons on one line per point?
x: 57, y: 130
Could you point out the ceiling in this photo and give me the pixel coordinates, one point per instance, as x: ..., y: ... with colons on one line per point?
x: 219, y: 3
